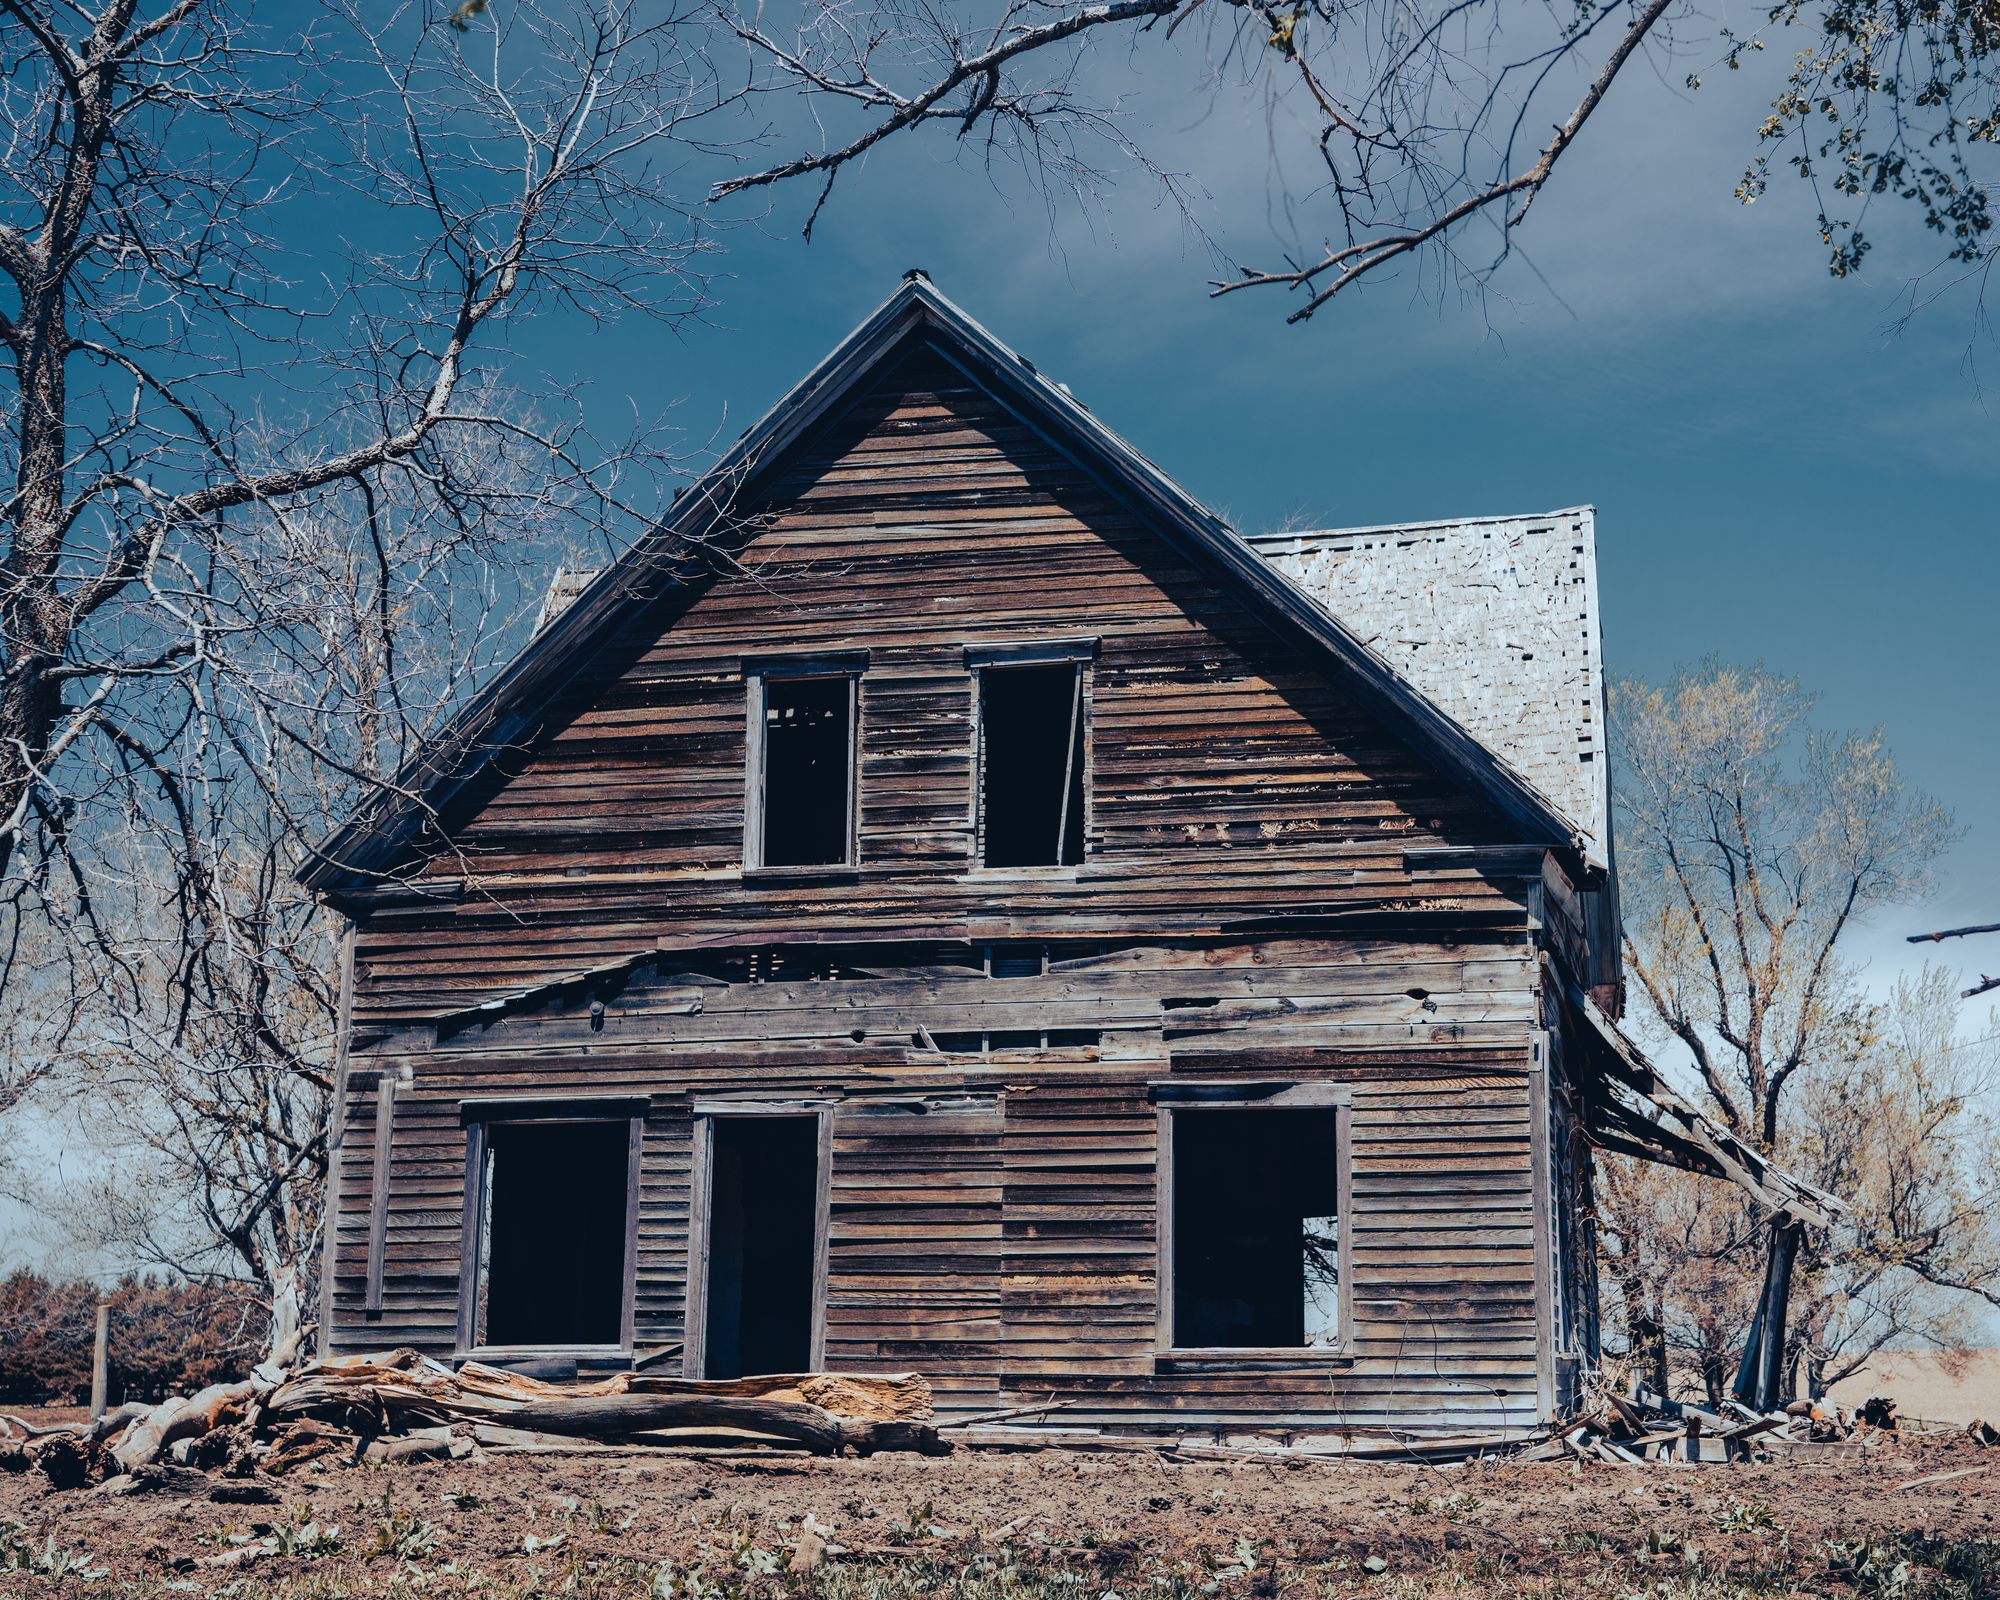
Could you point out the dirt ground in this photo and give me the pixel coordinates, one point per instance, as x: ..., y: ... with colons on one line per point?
x: 1042, y: 1525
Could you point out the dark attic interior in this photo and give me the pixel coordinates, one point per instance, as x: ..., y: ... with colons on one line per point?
x: 1031, y: 762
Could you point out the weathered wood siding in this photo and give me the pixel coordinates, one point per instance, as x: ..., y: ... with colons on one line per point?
x: 1246, y: 909
x: 1229, y: 776
x: 993, y: 1219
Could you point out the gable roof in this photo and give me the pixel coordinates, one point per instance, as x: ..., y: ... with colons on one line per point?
x: 1494, y: 619
x: 507, y: 711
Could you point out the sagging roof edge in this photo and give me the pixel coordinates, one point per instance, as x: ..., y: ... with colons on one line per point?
x: 1661, y: 1125
x: 502, y: 712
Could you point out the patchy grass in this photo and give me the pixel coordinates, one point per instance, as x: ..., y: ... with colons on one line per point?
x: 403, y: 1559
x: 1049, y: 1526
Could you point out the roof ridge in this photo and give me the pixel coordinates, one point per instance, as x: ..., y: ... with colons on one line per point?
x: 1425, y: 526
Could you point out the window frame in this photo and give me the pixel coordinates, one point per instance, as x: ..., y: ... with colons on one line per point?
x: 477, y: 1117
x: 981, y: 659
x: 757, y: 674
x: 1182, y: 1096
x: 701, y: 1165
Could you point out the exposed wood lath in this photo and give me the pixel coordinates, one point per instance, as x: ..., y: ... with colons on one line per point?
x: 1637, y: 1112
x: 1493, y: 618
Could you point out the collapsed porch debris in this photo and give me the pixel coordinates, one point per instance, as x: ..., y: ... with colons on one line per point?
x: 1645, y: 1427
x: 402, y: 1406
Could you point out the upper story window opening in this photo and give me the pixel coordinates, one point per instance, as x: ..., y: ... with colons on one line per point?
x: 1032, y: 743
x: 801, y: 782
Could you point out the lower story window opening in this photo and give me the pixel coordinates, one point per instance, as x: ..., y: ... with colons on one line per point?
x: 1253, y: 1217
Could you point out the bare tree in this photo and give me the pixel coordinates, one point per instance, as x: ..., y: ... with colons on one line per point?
x: 1419, y: 130
x: 1897, y: 1120
x: 1751, y: 844
x: 1985, y: 984
x: 266, y: 524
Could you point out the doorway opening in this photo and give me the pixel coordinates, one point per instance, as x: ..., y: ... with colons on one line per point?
x: 552, y: 1239
x: 763, y: 1203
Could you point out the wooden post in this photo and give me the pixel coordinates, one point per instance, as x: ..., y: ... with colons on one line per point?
x: 1772, y: 1389
x: 100, y: 1360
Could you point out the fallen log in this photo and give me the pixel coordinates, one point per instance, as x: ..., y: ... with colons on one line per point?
x: 213, y: 1407
x: 115, y: 1422
x: 619, y: 1415
x: 825, y: 1412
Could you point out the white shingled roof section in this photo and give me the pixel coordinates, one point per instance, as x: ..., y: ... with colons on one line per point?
x: 1494, y: 619
x: 564, y: 587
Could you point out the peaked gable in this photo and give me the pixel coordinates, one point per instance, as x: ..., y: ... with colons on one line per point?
x: 512, y: 708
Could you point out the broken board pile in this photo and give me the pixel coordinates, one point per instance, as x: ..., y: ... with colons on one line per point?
x: 1646, y: 1427
x: 402, y: 1406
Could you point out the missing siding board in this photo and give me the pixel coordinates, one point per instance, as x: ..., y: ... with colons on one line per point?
x: 378, y: 1200
x: 1032, y: 753
x: 801, y: 786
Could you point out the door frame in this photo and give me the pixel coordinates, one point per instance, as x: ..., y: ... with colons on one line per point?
x: 694, y: 1328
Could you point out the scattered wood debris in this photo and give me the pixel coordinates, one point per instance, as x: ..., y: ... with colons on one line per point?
x: 402, y: 1406
x: 1647, y: 1427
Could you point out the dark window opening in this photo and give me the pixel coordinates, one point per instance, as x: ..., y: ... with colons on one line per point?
x: 552, y: 1247
x: 807, y: 765
x: 1031, y: 774
x: 1255, y: 1231
x: 1016, y: 960
x: 763, y: 1193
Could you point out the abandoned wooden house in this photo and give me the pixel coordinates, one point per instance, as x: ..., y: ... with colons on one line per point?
x: 947, y: 902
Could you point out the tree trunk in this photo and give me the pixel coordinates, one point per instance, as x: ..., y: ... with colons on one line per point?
x: 1645, y: 1333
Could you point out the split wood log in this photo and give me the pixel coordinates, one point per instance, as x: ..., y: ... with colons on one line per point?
x: 307, y: 1441
x: 619, y: 1415
x: 213, y: 1407
x: 826, y: 1412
